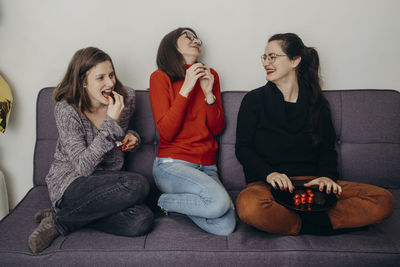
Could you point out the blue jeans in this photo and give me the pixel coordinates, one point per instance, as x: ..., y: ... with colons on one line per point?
x: 109, y: 201
x: 196, y: 191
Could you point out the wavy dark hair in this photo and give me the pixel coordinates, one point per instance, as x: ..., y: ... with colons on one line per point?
x: 169, y: 59
x: 71, y: 87
x: 308, y: 77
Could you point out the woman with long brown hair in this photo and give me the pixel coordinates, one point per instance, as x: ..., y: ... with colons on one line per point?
x: 85, y: 181
x: 186, y: 102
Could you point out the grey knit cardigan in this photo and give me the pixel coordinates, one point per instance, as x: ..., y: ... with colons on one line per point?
x: 82, y: 149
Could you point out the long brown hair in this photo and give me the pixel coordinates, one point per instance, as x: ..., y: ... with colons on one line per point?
x: 169, y: 59
x: 308, y: 77
x: 71, y: 87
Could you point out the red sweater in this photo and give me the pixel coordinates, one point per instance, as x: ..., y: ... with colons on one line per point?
x: 187, y: 126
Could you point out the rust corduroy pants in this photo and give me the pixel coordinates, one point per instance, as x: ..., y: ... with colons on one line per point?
x: 359, y: 205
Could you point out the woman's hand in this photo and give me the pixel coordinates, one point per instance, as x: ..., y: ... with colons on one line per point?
x: 207, y: 81
x: 129, y: 142
x: 325, y: 182
x: 281, y: 180
x: 115, y: 107
x: 193, y: 73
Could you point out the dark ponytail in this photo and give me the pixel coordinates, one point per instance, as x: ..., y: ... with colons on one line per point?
x: 308, y: 69
x: 308, y: 77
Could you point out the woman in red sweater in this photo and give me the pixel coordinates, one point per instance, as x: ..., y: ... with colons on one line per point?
x: 185, y: 99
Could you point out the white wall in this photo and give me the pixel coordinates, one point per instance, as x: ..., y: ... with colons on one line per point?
x: 358, y: 42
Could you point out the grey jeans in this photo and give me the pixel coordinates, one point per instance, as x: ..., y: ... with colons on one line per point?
x: 110, y: 201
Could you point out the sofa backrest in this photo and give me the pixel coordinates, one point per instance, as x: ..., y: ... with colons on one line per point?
x: 46, y: 136
x: 367, y: 124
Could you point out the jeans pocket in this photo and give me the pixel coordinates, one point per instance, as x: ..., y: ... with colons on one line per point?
x: 166, y: 160
x: 159, y: 161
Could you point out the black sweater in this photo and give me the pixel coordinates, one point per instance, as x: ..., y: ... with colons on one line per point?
x: 274, y: 136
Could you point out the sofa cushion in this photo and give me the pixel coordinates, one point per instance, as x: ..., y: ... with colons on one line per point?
x: 230, y: 169
x: 175, y: 240
x: 370, y: 136
x: 46, y: 136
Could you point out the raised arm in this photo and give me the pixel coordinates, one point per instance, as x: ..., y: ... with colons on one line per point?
x: 168, y: 112
x: 84, y: 158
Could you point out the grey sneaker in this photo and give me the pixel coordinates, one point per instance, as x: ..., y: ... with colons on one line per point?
x: 40, y: 215
x: 43, y: 235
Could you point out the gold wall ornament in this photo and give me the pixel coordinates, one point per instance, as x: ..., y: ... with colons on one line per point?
x: 6, y: 101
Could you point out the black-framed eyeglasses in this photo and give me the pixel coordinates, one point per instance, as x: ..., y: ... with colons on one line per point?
x: 270, y: 57
x: 192, y: 37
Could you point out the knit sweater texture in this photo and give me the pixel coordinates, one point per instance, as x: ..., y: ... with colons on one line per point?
x: 187, y: 126
x: 82, y: 148
x: 274, y: 136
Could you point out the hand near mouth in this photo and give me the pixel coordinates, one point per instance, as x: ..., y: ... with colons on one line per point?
x: 115, y: 106
x: 107, y: 93
x: 195, y: 72
x: 207, y: 81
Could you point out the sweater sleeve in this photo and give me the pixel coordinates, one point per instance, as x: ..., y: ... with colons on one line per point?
x: 215, y: 113
x: 84, y: 158
x: 327, y: 160
x: 255, y: 168
x: 168, y: 113
x: 131, y: 105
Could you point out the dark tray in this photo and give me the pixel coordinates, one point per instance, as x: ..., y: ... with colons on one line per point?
x: 285, y: 198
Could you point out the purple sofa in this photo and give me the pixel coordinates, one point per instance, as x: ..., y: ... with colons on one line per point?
x: 368, y: 129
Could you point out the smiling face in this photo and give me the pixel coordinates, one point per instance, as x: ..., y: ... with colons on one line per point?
x: 282, y: 68
x: 100, y: 81
x: 189, y: 46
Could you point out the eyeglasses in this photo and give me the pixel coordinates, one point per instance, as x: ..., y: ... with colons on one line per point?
x: 192, y: 37
x: 270, y: 57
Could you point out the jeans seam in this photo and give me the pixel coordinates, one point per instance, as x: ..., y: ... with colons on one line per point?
x: 125, y: 187
x: 192, y: 181
x: 110, y: 191
x: 207, y: 200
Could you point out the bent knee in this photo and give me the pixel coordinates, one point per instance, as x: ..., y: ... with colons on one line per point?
x: 248, y: 205
x: 218, y: 204
x: 136, y: 183
x: 229, y: 228
x: 377, y: 202
x: 384, y: 204
x: 143, y: 220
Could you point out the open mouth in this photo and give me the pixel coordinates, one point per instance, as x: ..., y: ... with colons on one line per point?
x: 106, y: 93
x: 270, y: 71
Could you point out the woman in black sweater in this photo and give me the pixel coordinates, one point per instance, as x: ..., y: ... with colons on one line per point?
x: 285, y: 133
